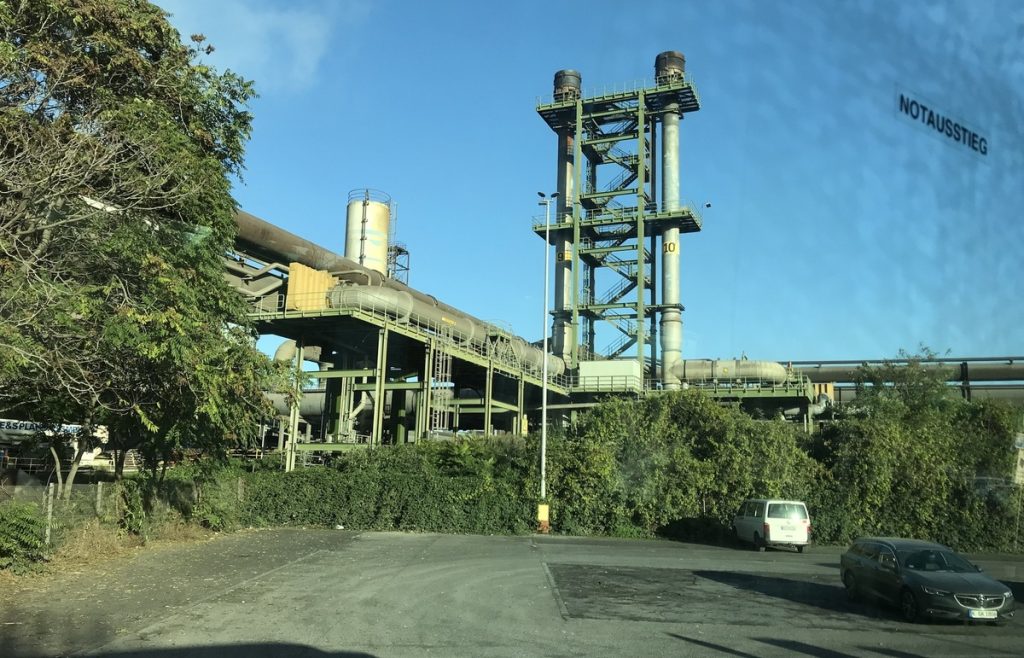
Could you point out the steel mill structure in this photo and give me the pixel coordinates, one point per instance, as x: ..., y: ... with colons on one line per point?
x: 386, y: 363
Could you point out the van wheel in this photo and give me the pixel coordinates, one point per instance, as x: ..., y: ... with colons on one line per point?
x: 759, y: 545
x: 800, y: 549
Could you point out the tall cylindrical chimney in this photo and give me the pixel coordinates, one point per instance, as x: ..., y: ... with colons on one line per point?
x: 670, y: 67
x: 566, y: 88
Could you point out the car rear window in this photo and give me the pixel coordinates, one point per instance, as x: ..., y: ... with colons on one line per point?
x: 787, y: 511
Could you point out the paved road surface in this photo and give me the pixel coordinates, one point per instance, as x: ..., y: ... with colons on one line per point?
x: 314, y: 593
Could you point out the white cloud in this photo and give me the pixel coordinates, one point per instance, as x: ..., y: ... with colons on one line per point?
x: 278, y: 44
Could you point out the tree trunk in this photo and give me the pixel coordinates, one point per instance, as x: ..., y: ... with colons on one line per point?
x: 119, y: 456
x: 79, y: 451
x: 84, y: 442
x: 56, y: 466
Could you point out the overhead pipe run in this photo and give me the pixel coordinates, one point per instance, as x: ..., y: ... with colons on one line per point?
x: 1005, y: 369
x: 285, y: 352
x: 366, y: 288
x: 704, y: 370
x: 465, y: 330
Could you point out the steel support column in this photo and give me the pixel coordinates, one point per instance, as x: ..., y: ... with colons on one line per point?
x: 377, y: 431
x: 488, y: 395
x: 293, y: 412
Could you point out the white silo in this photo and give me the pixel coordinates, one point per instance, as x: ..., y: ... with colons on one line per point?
x: 367, y: 225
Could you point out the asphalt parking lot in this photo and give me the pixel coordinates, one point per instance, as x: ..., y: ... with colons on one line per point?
x: 337, y: 593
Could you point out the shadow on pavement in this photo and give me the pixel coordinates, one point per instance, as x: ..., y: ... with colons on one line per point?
x: 256, y: 650
x: 795, y: 647
x: 895, y: 653
x: 808, y: 592
x: 711, y: 645
x: 708, y: 532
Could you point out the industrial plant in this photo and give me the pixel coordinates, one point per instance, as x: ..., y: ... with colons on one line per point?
x: 385, y: 363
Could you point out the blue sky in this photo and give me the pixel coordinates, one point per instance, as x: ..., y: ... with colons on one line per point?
x: 839, y: 228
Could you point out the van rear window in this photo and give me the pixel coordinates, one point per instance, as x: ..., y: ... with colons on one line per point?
x: 786, y: 511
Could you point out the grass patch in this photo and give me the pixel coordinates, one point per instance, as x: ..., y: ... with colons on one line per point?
x: 93, y: 542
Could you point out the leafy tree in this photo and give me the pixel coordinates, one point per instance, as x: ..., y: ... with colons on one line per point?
x: 910, y: 457
x: 116, y: 147
x: 638, y: 466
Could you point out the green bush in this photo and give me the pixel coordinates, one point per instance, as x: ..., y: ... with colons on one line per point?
x: 456, y: 487
x: 908, y: 458
x: 22, y: 532
x: 911, y: 458
x: 676, y: 464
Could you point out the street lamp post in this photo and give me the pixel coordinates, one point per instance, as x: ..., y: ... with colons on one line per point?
x: 542, y: 507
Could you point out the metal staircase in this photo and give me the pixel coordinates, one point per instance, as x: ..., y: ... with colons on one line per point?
x: 442, y: 389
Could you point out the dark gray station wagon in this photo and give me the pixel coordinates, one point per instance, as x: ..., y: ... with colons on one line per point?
x: 924, y: 579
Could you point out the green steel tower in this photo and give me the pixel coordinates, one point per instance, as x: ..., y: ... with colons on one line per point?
x: 613, y: 225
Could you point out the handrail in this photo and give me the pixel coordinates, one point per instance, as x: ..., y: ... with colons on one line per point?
x: 644, y: 84
x: 628, y: 334
x: 607, y: 383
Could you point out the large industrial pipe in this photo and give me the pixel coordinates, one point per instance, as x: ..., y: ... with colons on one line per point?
x: 1010, y: 369
x: 266, y: 241
x: 567, y: 86
x: 465, y: 329
x: 310, y: 406
x: 669, y: 66
x: 285, y: 352
x: 703, y: 370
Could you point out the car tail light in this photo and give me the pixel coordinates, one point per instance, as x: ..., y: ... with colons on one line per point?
x: 767, y: 529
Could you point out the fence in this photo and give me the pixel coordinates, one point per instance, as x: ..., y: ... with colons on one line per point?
x: 72, y: 507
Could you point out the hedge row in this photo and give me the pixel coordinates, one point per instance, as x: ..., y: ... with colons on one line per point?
x: 902, y: 462
x: 460, y: 487
x: 910, y: 458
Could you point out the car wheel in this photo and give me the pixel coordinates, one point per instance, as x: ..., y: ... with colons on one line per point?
x: 800, y: 549
x: 850, y: 583
x: 908, y: 605
x: 759, y: 545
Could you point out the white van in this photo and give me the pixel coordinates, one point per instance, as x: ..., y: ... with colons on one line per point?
x: 768, y: 522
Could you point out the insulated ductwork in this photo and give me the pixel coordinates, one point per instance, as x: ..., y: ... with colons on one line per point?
x: 366, y: 288
x: 988, y: 370
x: 702, y: 370
x: 465, y: 330
x: 823, y: 402
x: 310, y: 406
x: 286, y: 352
x: 819, y: 407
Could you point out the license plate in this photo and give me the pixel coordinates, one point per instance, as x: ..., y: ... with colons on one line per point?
x: 788, y: 528
x: 982, y: 614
